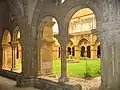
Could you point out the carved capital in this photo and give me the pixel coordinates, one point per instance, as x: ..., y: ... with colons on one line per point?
x: 49, y: 23
x: 4, y: 45
x: 106, y: 27
x: 107, y: 32
x: 63, y: 40
x: 14, y: 44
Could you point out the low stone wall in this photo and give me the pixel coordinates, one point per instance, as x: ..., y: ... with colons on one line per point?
x: 8, y: 84
x: 46, y: 84
x: 9, y: 74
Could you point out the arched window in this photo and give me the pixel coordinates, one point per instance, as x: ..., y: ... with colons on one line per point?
x: 69, y: 51
x: 88, y: 52
x: 98, y: 52
x: 82, y: 51
x: 73, y: 51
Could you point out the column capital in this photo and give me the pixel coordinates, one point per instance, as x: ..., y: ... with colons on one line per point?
x: 63, y: 39
x: 108, y: 32
x: 14, y: 44
x: 4, y: 45
x: 106, y: 27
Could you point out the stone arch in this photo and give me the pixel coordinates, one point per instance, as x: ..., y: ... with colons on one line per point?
x: 6, y: 51
x: 15, y: 32
x: 71, y: 12
x: 5, y: 35
x: 17, y: 11
x: 97, y: 42
x: 83, y: 40
x: 17, y: 49
x: 42, y: 23
x: 45, y: 40
x: 70, y: 43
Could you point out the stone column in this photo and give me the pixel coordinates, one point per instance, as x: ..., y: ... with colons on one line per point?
x: 46, y: 57
x: 39, y: 61
x: 93, y: 52
x: 14, y: 56
x: 77, y: 51
x: 4, y: 62
x: 55, y: 52
x: 19, y: 52
x: 29, y: 61
x: 63, y: 43
x: 109, y: 36
x: 46, y: 49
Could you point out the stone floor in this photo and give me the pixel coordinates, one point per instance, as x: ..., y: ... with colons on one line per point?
x: 87, y: 84
x: 7, y: 84
x: 93, y: 84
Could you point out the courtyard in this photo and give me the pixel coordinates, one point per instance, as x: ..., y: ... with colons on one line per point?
x: 39, y: 37
x: 81, y: 69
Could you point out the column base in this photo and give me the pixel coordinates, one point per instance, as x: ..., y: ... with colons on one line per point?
x: 63, y: 79
x: 13, y: 69
x: 25, y: 82
x: 3, y: 67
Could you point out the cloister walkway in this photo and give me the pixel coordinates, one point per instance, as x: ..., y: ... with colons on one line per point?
x: 7, y: 84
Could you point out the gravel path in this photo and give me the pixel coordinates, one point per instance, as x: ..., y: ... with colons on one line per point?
x: 92, y: 84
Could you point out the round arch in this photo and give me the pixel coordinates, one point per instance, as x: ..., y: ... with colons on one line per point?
x: 17, y: 49
x: 42, y: 23
x: 45, y: 40
x: 15, y: 33
x: 83, y: 40
x: 6, y: 35
x: 70, y: 43
x: 97, y: 42
x: 73, y: 10
x: 6, y: 51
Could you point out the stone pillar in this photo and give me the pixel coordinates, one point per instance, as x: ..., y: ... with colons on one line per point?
x: 46, y: 57
x: 4, y: 62
x: 108, y: 34
x: 46, y: 49
x: 19, y: 52
x: 29, y: 61
x: 77, y: 51
x: 39, y: 61
x: 55, y: 52
x: 63, y: 43
x: 14, y: 56
x: 93, y: 52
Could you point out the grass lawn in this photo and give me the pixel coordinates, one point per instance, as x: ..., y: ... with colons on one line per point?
x: 79, y: 69
x: 76, y: 69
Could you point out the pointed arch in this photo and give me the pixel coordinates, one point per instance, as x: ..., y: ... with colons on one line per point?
x: 15, y: 33
x: 6, y: 51
x: 70, y: 43
x: 84, y: 41
x: 6, y: 37
x: 97, y: 42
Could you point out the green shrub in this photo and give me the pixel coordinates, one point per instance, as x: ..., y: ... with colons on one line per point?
x: 88, y: 71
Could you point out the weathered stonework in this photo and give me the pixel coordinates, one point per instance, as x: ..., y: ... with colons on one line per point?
x: 28, y: 15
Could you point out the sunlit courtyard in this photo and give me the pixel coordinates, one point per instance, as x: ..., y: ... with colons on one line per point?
x: 81, y: 69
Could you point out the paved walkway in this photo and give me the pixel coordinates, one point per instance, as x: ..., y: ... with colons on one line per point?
x: 7, y: 84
